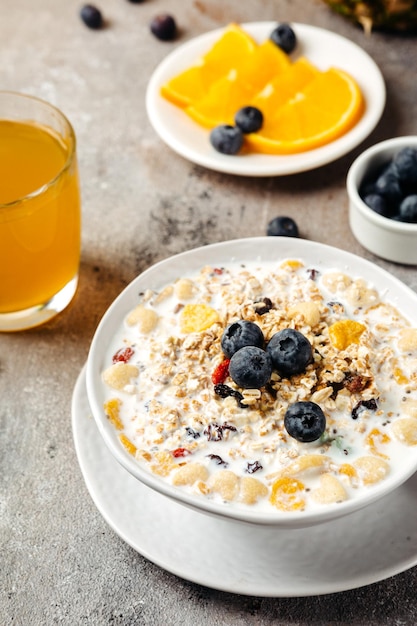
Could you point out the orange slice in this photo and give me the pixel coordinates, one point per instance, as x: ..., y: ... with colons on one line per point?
x: 265, y: 63
x: 284, y: 87
x: 329, y: 106
x: 189, y: 86
x: 223, y: 100
x: 230, y: 51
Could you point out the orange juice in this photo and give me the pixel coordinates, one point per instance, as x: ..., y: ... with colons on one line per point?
x: 39, y: 214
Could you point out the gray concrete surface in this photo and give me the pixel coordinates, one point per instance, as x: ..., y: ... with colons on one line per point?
x: 60, y: 562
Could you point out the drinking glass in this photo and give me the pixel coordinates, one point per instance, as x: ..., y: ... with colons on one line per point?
x: 40, y: 212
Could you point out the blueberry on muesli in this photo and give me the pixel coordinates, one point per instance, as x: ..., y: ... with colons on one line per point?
x: 305, y: 421
x: 290, y: 352
x: 250, y: 367
x: 239, y: 334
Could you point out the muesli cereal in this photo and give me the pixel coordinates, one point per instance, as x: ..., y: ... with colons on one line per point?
x: 177, y: 409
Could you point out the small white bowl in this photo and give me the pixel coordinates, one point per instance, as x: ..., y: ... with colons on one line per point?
x: 387, y: 238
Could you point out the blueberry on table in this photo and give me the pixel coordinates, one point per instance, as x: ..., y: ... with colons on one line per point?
x: 305, y: 421
x: 282, y: 227
x: 250, y: 367
x: 408, y: 209
x: 284, y: 37
x: 164, y: 27
x: 91, y: 16
x: 290, y: 352
x: 249, y: 119
x: 239, y: 334
x: 226, y: 139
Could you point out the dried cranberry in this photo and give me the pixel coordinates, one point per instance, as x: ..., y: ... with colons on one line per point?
x: 221, y: 372
x: 218, y: 270
x: 123, y: 355
x: 179, y: 452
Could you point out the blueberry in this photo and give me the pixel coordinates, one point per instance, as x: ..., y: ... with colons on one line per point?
x: 249, y: 119
x: 226, y: 139
x: 404, y: 165
x: 250, y: 367
x: 91, y: 16
x: 305, y: 421
x: 408, y: 209
x: 378, y: 204
x: 282, y: 227
x: 290, y: 352
x: 284, y: 37
x: 164, y: 27
x: 240, y: 334
x: 388, y: 185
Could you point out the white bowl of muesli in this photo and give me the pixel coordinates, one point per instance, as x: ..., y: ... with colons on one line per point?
x: 268, y: 380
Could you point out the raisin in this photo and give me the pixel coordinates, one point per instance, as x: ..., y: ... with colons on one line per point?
x: 192, y: 433
x: 224, y: 391
x: 362, y: 405
x: 356, y: 383
x: 313, y: 274
x: 214, y: 431
x: 253, y: 467
x: 264, y: 306
x: 218, y: 459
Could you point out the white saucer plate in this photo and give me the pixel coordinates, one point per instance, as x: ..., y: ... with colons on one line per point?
x: 362, y: 548
x: 322, y: 47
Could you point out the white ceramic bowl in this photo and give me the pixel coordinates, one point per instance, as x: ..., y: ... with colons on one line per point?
x: 389, y: 239
x: 314, y: 255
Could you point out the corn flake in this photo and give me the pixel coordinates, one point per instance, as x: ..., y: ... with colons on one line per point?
x: 345, y: 332
x: 197, y: 317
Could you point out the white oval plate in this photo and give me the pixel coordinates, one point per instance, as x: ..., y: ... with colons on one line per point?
x: 239, y: 558
x: 321, y: 47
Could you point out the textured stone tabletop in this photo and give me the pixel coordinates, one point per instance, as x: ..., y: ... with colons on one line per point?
x: 61, y: 563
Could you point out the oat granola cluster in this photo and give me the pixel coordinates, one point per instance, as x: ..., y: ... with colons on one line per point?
x: 170, y: 396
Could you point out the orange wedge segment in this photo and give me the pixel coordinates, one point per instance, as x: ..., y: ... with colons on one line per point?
x: 284, y: 86
x: 189, y: 86
x: 265, y: 63
x: 223, y: 100
x: 329, y: 106
x: 230, y: 51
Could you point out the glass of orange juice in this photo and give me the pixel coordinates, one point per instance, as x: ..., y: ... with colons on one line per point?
x: 40, y: 213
